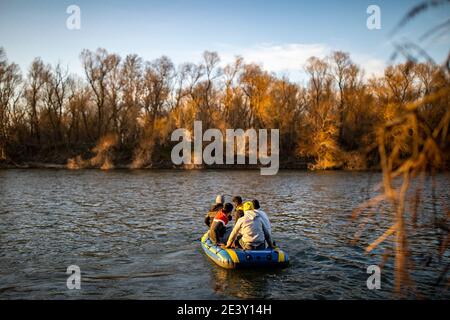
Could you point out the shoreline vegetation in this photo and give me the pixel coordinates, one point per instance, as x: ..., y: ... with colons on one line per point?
x: 123, y: 111
x: 162, y: 165
x: 287, y: 165
x: 301, y: 165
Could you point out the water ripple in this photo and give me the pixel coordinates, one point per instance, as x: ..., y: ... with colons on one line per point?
x: 133, y: 235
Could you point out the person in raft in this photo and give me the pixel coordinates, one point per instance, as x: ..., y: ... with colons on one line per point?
x: 238, y: 208
x: 263, y: 215
x: 214, y: 209
x: 218, y: 227
x: 253, y: 231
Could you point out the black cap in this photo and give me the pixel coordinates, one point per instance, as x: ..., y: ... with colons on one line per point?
x: 256, y: 204
x: 228, y: 207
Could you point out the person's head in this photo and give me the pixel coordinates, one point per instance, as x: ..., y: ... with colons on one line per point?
x: 256, y: 204
x: 220, y: 199
x: 237, y: 200
x: 248, y: 206
x: 227, y: 208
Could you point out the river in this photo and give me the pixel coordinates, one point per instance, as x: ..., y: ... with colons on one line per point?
x: 134, y: 235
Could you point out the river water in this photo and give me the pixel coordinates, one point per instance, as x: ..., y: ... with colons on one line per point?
x: 134, y: 235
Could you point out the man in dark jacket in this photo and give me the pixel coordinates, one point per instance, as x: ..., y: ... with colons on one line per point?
x: 218, y: 227
x: 238, y: 209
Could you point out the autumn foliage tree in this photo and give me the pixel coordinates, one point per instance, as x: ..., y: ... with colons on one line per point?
x: 122, y: 111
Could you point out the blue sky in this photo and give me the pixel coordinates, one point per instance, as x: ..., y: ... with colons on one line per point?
x: 280, y: 34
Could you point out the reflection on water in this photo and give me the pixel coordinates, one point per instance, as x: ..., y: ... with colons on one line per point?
x: 244, y: 284
x: 133, y: 234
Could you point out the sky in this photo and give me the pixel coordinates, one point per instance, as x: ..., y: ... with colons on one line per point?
x: 280, y: 35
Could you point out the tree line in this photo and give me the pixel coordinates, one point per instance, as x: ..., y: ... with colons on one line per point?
x: 123, y: 110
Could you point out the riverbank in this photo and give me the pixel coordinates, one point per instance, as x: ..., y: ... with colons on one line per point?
x: 159, y: 165
x: 302, y: 164
x: 287, y: 165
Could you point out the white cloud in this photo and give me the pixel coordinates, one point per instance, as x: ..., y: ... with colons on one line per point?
x: 290, y: 58
x: 372, y: 66
x: 285, y: 57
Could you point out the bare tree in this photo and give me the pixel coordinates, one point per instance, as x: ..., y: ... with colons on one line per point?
x: 37, y: 77
x: 10, y: 80
x: 157, y: 86
x: 132, y: 88
x: 55, y: 95
x: 98, y: 67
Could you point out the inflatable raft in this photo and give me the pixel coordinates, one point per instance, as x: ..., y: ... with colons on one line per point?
x: 239, y: 258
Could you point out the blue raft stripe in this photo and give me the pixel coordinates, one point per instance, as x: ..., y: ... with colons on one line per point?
x: 221, y: 258
x: 243, y: 258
